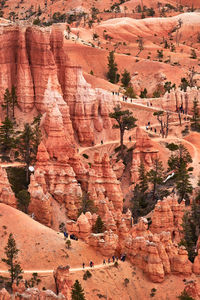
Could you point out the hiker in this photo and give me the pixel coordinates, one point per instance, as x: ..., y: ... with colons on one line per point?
x: 113, y: 258
x: 91, y: 264
x: 101, y: 142
x: 117, y: 258
x: 104, y: 261
x: 149, y: 123
x: 65, y: 235
x: 108, y: 260
x: 83, y: 265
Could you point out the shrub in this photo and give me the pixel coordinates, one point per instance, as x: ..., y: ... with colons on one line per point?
x: 85, y: 155
x: 184, y: 296
x: 126, y: 281
x: 68, y: 244
x: 87, y: 275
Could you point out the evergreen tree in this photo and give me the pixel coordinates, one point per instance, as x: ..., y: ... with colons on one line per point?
x: 126, y: 78
x: 77, y: 291
x: 130, y: 92
x: 23, y: 199
x: 143, y: 180
x: 190, y: 237
x: 125, y: 121
x: 195, y: 121
x: 99, y: 226
x: 183, y: 184
x: 87, y: 204
x: 168, y: 86
x: 11, y: 253
x: 155, y: 175
x: 143, y: 94
x: 112, y: 74
x: 13, y: 100
x: 184, y: 84
x: 135, y: 207
x: 7, y: 102
x: 7, y: 135
x: 178, y: 163
x: 27, y: 144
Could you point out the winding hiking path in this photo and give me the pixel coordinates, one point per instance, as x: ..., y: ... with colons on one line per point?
x: 101, y: 266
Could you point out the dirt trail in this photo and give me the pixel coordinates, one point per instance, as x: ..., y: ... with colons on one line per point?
x: 70, y: 270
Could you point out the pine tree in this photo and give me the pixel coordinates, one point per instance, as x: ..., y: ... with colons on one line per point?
x: 7, y: 135
x: 11, y: 253
x: 112, y: 74
x: 135, y: 207
x: 99, y: 226
x: 27, y: 144
x: 143, y: 94
x: 143, y: 181
x: 178, y: 163
x: 13, y: 100
x: 183, y: 184
x: 155, y: 175
x: 23, y: 199
x: 86, y: 204
x: 77, y: 291
x: 125, y: 121
x: 7, y: 102
x: 190, y: 237
x: 126, y: 78
x: 195, y: 121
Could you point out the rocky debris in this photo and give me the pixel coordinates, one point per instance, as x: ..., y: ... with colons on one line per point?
x: 192, y: 289
x: 63, y: 282
x: 144, y: 151
x: 31, y: 293
x: 6, y: 194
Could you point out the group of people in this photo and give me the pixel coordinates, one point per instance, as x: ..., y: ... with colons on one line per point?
x: 148, y: 127
x: 180, y: 109
x: 115, y: 93
x: 110, y: 260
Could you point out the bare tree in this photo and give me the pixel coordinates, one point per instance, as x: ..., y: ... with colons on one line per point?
x: 140, y: 45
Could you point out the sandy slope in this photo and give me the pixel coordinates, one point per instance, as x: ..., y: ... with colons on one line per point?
x: 40, y: 247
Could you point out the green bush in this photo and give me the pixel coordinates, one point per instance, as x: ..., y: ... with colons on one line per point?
x: 17, y: 179
x: 87, y: 275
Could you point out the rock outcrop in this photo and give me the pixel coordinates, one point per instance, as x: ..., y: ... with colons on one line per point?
x: 144, y: 151
x: 167, y: 216
x: 53, y: 179
x: 63, y: 282
x: 6, y: 194
x: 32, y: 293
